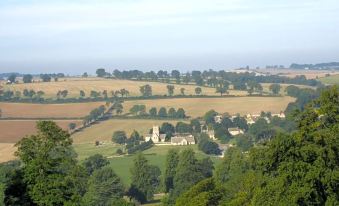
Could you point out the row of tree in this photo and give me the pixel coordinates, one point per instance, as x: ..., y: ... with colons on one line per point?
x: 140, y: 110
x: 208, y: 77
x: 28, y: 78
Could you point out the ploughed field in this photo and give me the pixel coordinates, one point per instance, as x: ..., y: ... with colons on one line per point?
x: 27, y: 110
x: 11, y: 131
x: 197, y: 107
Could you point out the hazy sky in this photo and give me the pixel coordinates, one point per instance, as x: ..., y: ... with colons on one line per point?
x: 77, y: 36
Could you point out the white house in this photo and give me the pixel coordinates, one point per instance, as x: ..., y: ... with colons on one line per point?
x: 183, y: 139
x: 218, y: 119
x: 156, y: 137
x: 235, y: 131
x: 280, y: 115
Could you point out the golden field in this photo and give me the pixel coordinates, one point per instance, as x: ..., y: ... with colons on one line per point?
x: 27, y: 110
x: 74, y: 85
x: 13, y: 130
x: 103, y: 131
x: 197, y: 107
x: 7, y: 152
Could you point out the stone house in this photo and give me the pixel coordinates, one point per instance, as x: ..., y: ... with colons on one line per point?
x: 182, y: 139
x: 156, y: 137
x: 235, y: 131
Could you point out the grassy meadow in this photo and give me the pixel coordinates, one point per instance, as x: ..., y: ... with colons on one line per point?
x: 122, y: 164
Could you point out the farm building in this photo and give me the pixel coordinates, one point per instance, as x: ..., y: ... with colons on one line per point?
x: 235, y: 131
x: 182, y: 139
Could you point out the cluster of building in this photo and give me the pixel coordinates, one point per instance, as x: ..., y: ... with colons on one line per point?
x: 177, y: 139
x: 188, y: 139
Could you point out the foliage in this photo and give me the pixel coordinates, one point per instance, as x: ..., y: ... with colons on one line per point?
x: 119, y: 137
x: 145, y: 179
x: 104, y: 186
x: 140, y: 147
x: 146, y: 90
x: 49, y: 161
x: 172, y: 159
x: 208, y: 146
x: 94, y: 163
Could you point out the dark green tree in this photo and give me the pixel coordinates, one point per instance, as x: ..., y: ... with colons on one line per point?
x: 119, y: 137
x: 104, y: 187
x: 172, y: 159
x: 145, y: 179
x: 49, y: 161
x: 94, y: 162
x: 170, y: 90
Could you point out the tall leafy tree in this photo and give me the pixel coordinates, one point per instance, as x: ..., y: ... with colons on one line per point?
x: 172, y: 159
x: 49, y: 160
x: 94, y: 162
x: 187, y: 173
x: 170, y: 90
x: 145, y: 179
x: 104, y: 187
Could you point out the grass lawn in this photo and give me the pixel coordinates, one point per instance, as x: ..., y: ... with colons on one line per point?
x: 333, y: 79
x: 121, y: 165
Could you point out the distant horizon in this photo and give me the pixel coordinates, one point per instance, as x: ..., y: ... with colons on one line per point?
x: 80, y: 36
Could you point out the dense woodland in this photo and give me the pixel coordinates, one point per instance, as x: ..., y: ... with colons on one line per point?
x: 298, y: 167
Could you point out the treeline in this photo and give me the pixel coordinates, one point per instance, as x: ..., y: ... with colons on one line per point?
x: 206, y: 78
x: 298, y: 168
x: 140, y: 110
x: 29, y: 78
x: 330, y: 65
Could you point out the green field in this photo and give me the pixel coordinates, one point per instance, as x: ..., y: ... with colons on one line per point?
x: 121, y: 165
x: 333, y: 79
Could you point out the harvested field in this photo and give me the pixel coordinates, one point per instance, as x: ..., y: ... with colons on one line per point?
x: 74, y: 85
x: 13, y: 130
x: 309, y: 74
x: 26, y: 110
x: 103, y: 131
x: 7, y: 152
x: 197, y: 107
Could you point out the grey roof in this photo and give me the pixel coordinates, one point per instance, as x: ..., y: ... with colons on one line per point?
x: 178, y: 139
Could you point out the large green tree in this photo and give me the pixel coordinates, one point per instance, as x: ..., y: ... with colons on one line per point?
x: 104, y: 187
x: 49, y: 163
x: 172, y: 159
x: 145, y: 179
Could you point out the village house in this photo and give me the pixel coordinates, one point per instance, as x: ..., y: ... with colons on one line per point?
x: 156, y: 137
x: 235, y: 131
x: 252, y: 118
x: 209, y: 132
x: 182, y: 139
x: 218, y: 119
x: 280, y: 115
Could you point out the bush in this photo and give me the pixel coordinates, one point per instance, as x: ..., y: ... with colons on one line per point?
x: 141, y: 147
x: 209, y: 147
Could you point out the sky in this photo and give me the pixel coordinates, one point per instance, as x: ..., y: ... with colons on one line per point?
x: 83, y: 35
